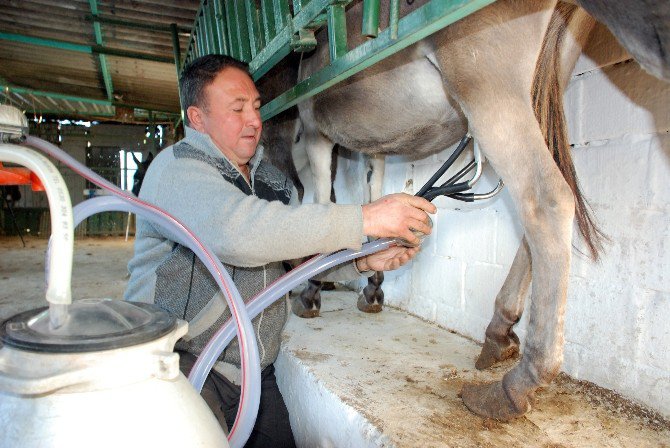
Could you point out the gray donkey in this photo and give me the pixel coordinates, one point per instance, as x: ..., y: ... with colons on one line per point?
x: 498, y: 74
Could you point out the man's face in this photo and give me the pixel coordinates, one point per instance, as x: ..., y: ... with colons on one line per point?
x: 231, y: 116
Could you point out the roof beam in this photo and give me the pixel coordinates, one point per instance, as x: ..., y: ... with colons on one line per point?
x: 89, y: 49
x: 55, y: 95
x: 106, y: 77
x: 60, y: 96
x: 150, y: 26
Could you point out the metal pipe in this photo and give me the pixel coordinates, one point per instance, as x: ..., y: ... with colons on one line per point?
x: 214, y: 40
x: 253, y: 28
x: 478, y: 162
x: 491, y: 193
x: 370, y: 27
x: 337, y: 31
x: 106, y: 76
x: 205, y: 33
x: 215, y: 10
x: 416, y: 25
x: 176, y: 49
x: 394, y: 18
x: 446, y: 165
x: 220, y: 22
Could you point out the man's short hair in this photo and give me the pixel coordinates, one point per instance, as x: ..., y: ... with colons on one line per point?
x: 201, y: 72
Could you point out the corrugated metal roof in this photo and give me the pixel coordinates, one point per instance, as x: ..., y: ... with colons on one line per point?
x: 29, y: 71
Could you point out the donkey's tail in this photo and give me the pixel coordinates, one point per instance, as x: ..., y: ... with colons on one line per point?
x: 547, y: 93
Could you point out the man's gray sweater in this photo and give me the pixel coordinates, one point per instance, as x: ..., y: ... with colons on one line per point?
x: 251, y: 227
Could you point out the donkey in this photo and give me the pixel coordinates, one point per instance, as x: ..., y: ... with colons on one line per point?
x: 498, y: 74
x: 142, y: 168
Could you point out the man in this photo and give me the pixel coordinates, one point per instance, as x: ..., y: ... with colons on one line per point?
x: 214, y: 180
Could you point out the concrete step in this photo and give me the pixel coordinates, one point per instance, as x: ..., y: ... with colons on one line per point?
x: 392, y: 380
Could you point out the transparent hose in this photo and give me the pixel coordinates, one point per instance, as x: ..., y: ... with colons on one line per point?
x: 256, y: 304
x: 58, y: 293
x: 249, y: 359
x: 269, y: 295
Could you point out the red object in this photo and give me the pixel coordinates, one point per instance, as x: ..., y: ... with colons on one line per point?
x: 20, y: 176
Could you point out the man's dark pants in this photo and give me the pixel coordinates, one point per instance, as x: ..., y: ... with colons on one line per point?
x: 272, y: 428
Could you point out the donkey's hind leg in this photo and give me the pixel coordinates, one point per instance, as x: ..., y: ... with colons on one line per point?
x: 371, y: 299
x: 501, y: 342
x: 546, y: 207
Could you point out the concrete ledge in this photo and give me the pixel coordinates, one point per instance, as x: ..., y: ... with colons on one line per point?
x: 392, y: 380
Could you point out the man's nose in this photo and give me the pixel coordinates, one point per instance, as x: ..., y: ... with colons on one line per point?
x: 254, y: 118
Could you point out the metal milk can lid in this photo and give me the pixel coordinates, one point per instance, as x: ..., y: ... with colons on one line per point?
x: 91, y: 325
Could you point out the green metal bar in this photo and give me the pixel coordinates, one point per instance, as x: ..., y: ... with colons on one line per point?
x: 200, y: 41
x: 176, y: 49
x: 233, y: 37
x: 59, y: 44
x: 133, y: 106
x: 268, y: 14
x: 215, y: 37
x: 297, y: 7
x: 256, y: 41
x: 205, y: 33
x: 394, y: 17
x: 32, y: 110
x: 221, y: 27
x: 97, y: 49
x: 177, y: 60
x: 150, y: 26
x: 337, y: 31
x: 202, y: 27
x: 281, y: 44
x: 89, y: 49
x: 370, y: 26
x: 55, y: 95
x: 193, y: 46
x: 242, y: 30
x: 422, y: 22
x: 74, y: 98
x: 106, y: 76
x: 282, y: 13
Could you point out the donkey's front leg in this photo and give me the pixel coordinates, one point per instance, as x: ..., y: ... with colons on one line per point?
x: 371, y: 299
x: 501, y: 342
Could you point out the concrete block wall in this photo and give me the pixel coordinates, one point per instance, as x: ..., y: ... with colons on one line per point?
x: 616, y: 332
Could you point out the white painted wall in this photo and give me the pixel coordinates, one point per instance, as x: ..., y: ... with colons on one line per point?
x: 617, y: 333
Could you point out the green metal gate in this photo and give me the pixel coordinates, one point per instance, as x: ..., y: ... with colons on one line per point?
x: 262, y: 32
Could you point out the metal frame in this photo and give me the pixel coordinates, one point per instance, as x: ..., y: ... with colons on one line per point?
x: 104, y: 70
x: 90, y: 49
x: 278, y: 33
x: 6, y: 89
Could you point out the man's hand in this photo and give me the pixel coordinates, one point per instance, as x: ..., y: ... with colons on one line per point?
x: 394, y: 215
x: 387, y: 259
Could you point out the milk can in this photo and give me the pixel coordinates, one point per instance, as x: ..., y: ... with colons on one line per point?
x: 106, y: 378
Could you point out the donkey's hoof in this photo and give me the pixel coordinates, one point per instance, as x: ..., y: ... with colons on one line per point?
x: 491, y: 401
x: 494, y: 352
x: 328, y: 286
x: 366, y: 307
x: 300, y: 309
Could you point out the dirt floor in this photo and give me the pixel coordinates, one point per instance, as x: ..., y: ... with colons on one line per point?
x: 424, y: 406
x: 99, y: 271
x: 404, y: 375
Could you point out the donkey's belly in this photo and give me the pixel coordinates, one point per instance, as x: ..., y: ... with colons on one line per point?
x: 398, y: 106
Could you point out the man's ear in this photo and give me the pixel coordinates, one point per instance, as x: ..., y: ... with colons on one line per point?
x: 196, y: 118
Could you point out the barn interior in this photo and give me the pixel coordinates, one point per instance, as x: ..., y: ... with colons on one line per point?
x: 98, y: 79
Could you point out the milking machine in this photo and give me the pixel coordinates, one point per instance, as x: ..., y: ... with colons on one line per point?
x: 71, y: 372
x: 451, y: 187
